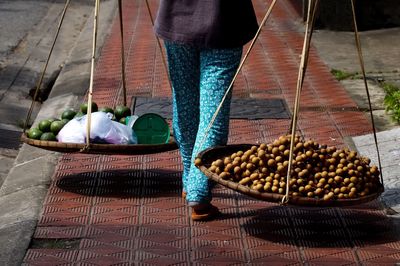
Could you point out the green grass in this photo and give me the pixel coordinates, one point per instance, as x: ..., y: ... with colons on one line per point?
x: 341, y: 75
x: 392, y: 100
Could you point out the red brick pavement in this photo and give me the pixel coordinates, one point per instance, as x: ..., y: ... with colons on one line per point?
x: 126, y: 210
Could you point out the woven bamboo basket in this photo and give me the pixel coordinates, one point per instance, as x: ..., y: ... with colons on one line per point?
x: 94, y: 148
x: 209, y: 155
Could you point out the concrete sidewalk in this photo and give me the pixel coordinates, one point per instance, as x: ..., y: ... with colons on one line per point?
x: 103, y: 210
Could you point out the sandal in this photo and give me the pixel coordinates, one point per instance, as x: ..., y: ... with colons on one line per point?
x: 205, y: 214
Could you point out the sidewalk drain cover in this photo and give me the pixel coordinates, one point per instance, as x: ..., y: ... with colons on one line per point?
x: 248, y: 109
x: 10, y: 139
x: 55, y: 243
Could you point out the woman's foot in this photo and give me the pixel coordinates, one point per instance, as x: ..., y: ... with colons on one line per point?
x: 203, y: 211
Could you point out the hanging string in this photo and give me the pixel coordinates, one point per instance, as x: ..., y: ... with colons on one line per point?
x: 121, y: 27
x: 306, y: 47
x: 159, y: 45
x: 39, y: 83
x: 362, y: 65
x: 312, y: 6
x: 123, y: 50
x: 89, y: 101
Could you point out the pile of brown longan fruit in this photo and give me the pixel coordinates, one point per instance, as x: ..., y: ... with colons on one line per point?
x: 318, y: 171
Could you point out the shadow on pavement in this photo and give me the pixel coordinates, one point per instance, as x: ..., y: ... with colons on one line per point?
x: 323, y: 227
x: 123, y: 183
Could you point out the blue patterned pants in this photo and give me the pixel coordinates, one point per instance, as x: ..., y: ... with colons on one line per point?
x: 200, y: 78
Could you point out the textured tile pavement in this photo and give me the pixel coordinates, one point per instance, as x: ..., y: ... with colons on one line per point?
x: 127, y: 210
x: 389, y: 146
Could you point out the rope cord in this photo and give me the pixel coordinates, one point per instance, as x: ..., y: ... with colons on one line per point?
x: 159, y: 45
x: 121, y: 27
x: 306, y: 46
x: 312, y: 6
x: 123, y: 49
x: 89, y: 109
x: 39, y: 84
x: 236, y: 74
x: 362, y: 65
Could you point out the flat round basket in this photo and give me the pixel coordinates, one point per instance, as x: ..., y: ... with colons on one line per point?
x: 209, y: 155
x: 121, y: 149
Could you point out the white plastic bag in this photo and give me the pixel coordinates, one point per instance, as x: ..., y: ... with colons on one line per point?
x: 72, y: 132
x: 102, y: 130
x: 120, y: 134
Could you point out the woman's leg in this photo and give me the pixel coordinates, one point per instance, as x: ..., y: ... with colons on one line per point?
x: 184, y: 71
x: 217, y: 68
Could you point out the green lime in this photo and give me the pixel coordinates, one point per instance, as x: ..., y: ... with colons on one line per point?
x: 44, y: 125
x: 123, y: 120
x: 68, y: 114
x: 84, y: 107
x: 56, y: 126
x: 121, y: 111
x: 49, y: 136
x: 65, y: 121
x: 34, y: 133
x: 53, y: 119
x: 106, y: 110
x: 79, y: 114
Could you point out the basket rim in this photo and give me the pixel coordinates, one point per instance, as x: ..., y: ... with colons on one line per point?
x: 275, y: 197
x: 95, y: 148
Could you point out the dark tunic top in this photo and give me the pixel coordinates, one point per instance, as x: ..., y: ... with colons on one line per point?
x: 206, y: 23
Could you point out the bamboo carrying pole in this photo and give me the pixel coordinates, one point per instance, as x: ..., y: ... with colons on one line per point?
x: 313, y: 4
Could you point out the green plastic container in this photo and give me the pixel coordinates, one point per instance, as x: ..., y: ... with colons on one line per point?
x: 151, y: 128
